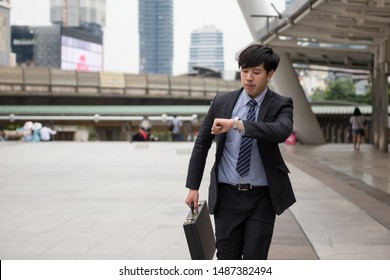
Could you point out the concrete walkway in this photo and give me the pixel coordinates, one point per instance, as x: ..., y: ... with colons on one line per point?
x: 118, y: 200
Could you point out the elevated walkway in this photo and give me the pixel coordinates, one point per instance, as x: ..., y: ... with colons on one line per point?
x: 50, y: 86
x: 119, y: 200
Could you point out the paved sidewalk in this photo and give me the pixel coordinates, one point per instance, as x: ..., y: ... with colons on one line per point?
x: 343, y: 199
x: 118, y: 200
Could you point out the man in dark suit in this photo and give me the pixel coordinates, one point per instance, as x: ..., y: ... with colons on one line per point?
x: 249, y: 180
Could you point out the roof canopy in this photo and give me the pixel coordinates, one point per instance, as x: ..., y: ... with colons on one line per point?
x: 334, y: 33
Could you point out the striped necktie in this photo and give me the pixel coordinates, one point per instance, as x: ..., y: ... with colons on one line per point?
x: 244, y: 156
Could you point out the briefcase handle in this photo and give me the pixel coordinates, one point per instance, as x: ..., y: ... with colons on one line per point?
x: 193, y: 213
x: 192, y: 208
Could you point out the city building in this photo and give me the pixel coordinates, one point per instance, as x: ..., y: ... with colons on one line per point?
x: 5, y: 50
x: 86, y: 14
x: 56, y: 46
x: 206, y: 49
x: 22, y: 44
x: 73, y: 42
x: 155, y: 36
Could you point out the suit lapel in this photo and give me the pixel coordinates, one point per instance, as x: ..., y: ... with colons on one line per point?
x: 230, y: 103
x: 265, y: 104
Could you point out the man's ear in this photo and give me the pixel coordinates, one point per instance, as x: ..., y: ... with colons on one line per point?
x: 270, y: 74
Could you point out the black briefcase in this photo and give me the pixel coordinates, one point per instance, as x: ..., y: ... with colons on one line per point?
x: 199, y: 233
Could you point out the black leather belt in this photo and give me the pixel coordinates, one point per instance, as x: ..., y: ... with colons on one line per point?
x: 242, y: 187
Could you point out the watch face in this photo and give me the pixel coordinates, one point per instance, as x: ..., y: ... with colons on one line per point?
x: 235, y: 123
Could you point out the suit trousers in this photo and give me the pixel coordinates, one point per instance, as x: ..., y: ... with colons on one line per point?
x: 244, y: 223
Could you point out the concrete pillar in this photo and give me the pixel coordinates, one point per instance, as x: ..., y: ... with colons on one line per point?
x: 347, y: 133
x: 256, y: 7
x: 285, y: 82
x: 381, y: 100
x: 339, y: 134
x: 375, y: 111
x: 125, y: 132
x: 328, y: 127
x: 323, y: 129
x: 383, y: 111
x: 108, y: 133
x: 333, y: 132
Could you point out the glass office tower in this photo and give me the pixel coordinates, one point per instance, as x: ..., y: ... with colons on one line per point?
x: 155, y: 36
x: 206, y: 49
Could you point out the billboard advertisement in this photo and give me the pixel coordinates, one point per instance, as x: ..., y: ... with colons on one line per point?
x: 81, y: 55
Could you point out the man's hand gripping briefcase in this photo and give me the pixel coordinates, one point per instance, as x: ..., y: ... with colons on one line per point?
x: 199, y: 233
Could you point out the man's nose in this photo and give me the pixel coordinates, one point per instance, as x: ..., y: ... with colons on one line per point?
x: 249, y: 76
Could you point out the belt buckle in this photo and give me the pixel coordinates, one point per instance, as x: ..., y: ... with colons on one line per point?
x: 244, y: 187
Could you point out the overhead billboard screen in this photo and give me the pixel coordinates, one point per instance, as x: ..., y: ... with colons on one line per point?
x: 81, y: 55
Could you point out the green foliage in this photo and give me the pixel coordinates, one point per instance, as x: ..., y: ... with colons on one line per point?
x: 162, y: 135
x: 10, y: 127
x: 318, y: 95
x: 341, y: 89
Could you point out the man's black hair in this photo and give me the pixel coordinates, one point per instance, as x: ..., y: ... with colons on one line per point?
x: 255, y: 55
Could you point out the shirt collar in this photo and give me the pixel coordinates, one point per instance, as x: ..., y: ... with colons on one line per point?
x: 258, y: 99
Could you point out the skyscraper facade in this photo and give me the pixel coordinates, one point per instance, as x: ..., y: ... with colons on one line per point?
x: 155, y: 36
x: 88, y: 14
x: 77, y: 35
x: 206, y: 49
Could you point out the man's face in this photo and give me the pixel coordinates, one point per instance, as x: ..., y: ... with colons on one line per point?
x: 255, y: 79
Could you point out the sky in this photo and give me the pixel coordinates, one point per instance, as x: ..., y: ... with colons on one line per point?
x: 121, y: 49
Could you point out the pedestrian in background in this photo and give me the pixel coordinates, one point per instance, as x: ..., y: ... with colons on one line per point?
x: 174, y: 126
x: 27, y: 131
x: 3, y: 136
x: 358, y: 122
x: 36, y: 132
x: 141, y: 135
x: 249, y: 180
x: 47, y: 132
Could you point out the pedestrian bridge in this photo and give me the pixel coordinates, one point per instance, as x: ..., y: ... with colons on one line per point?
x: 48, y: 86
x: 114, y: 103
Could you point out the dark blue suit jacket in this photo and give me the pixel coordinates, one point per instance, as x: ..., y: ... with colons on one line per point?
x: 274, y: 124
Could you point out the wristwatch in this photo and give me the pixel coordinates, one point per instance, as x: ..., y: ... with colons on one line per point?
x: 235, y: 123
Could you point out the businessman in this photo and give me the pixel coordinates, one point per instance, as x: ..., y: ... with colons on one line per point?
x: 249, y: 180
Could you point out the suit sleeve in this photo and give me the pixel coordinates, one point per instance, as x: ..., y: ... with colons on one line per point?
x: 277, y: 124
x: 200, y: 151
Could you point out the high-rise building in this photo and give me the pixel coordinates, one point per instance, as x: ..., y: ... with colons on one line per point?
x: 68, y: 48
x: 155, y: 36
x: 206, y: 49
x: 74, y: 42
x: 87, y: 14
x: 5, y: 49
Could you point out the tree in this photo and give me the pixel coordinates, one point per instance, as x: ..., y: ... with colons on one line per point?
x: 341, y: 89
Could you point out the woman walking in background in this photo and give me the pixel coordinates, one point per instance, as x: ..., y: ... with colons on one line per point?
x: 358, y: 122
